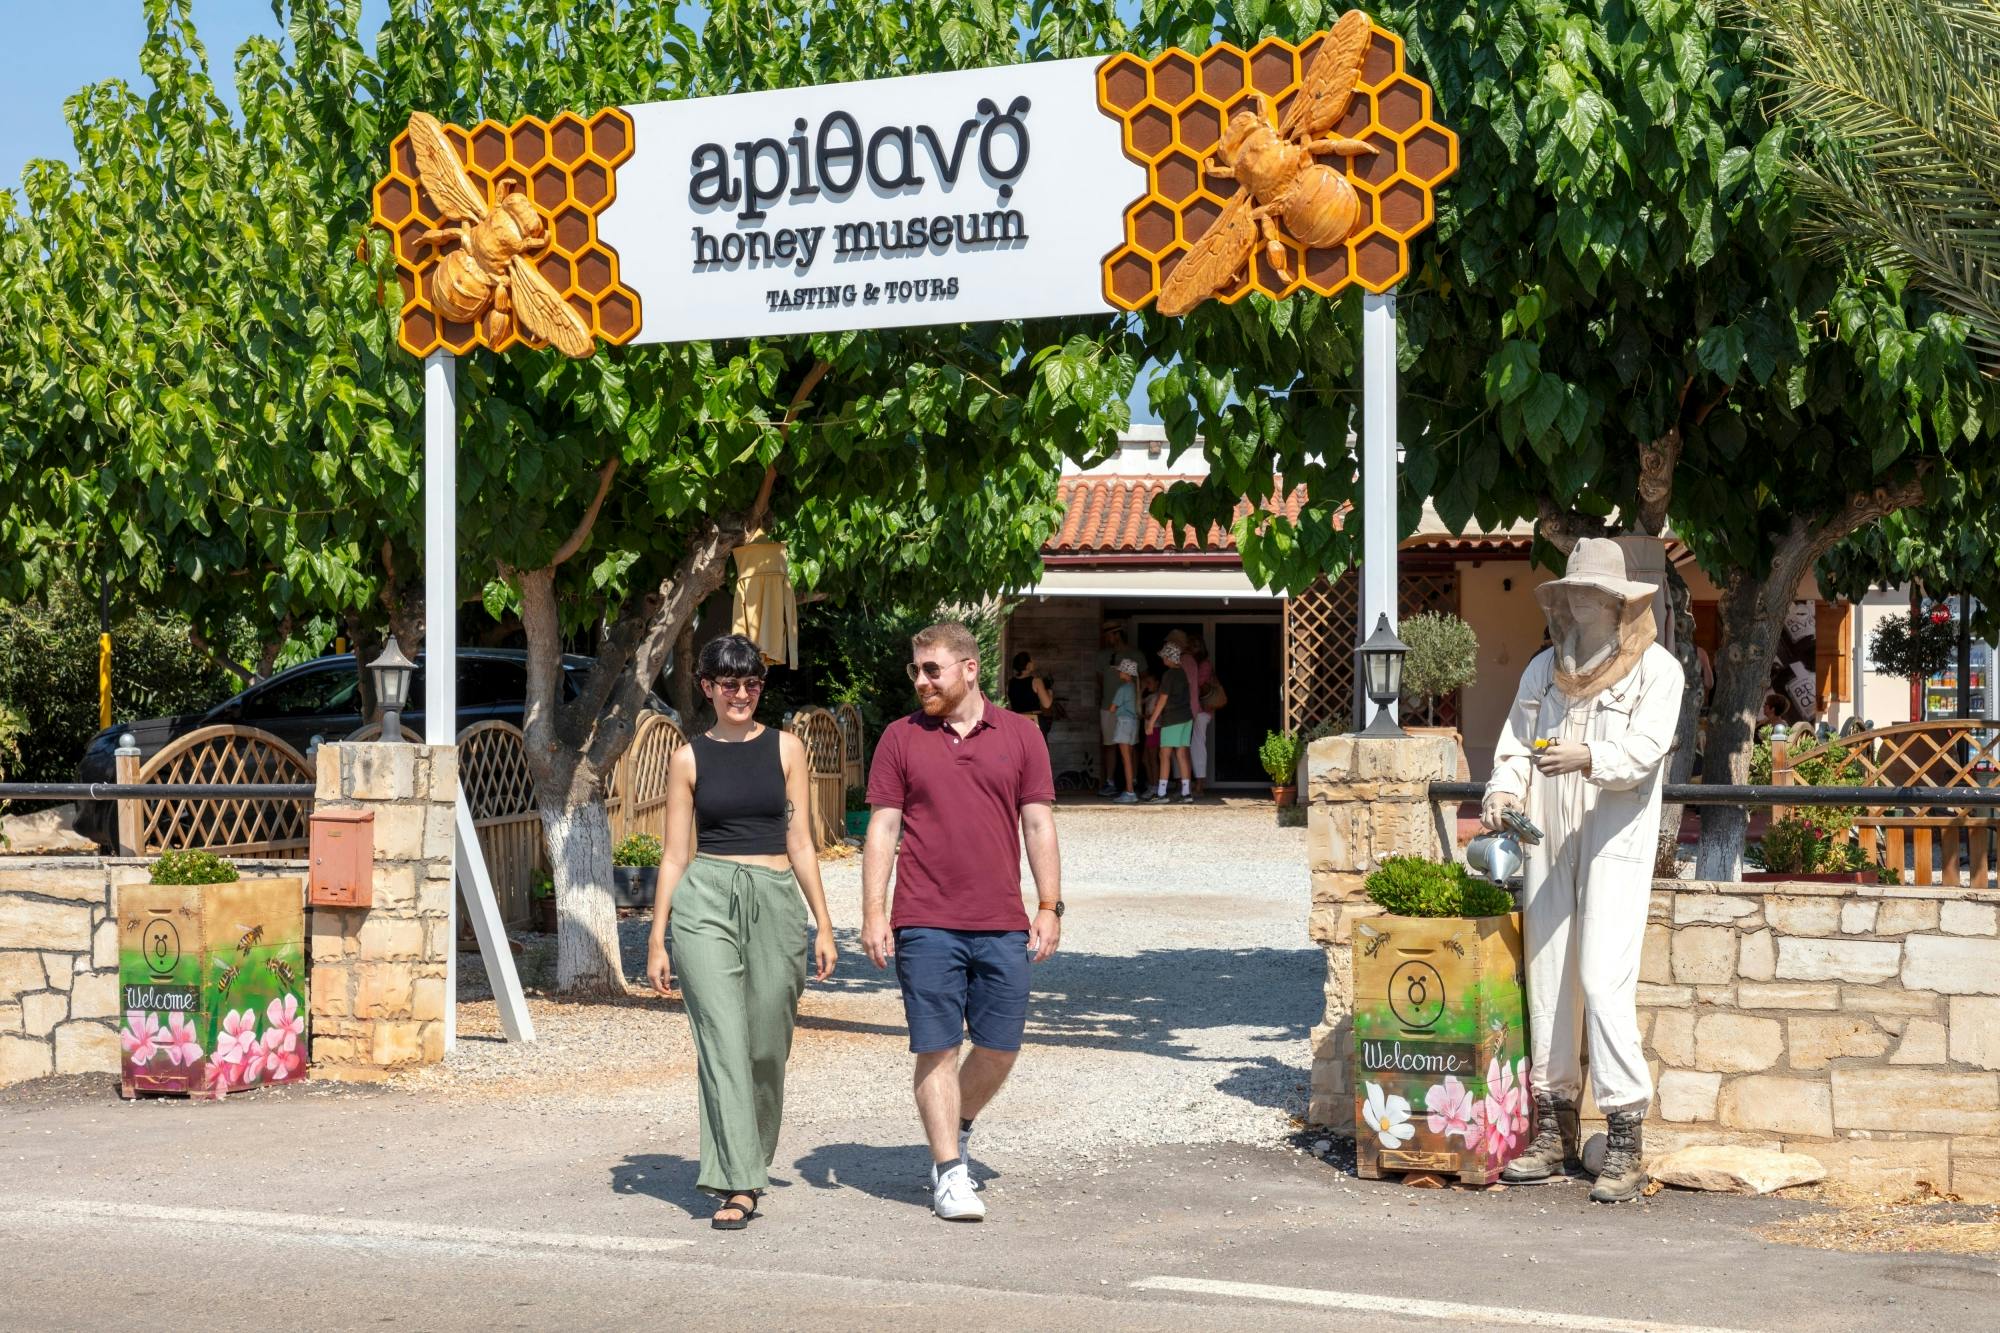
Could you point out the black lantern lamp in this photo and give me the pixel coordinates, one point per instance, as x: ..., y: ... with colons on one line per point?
x: 393, y: 673
x: 1382, y: 675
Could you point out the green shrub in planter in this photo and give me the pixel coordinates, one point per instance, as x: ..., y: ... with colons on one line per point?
x: 1413, y: 886
x: 639, y: 849
x: 193, y: 868
x: 1280, y: 756
x: 1443, y: 656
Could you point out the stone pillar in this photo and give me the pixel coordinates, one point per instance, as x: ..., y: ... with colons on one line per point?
x: 1369, y: 799
x: 378, y: 973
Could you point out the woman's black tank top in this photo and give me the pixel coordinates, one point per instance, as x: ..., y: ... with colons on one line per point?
x: 739, y: 796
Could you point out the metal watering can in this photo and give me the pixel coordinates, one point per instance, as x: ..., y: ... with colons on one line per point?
x: 1497, y: 857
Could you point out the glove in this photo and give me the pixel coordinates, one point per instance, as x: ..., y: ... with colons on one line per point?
x: 1494, y: 807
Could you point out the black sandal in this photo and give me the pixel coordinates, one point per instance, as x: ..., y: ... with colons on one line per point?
x: 721, y: 1223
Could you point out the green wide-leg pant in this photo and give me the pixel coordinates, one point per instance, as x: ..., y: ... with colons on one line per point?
x: 739, y: 948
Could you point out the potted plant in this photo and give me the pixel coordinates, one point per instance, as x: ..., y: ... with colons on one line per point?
x: 542, y: 903
x: 857, y: 812
x: 1443, y: 659
x: 1280, y: 756
x: 1915, y: 647
x: 635, y: 870
x: 212, y: 979
x: 1440, y: 1050
x: 1814, y: 844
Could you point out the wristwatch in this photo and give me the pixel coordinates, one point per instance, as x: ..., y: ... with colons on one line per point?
x: 1056, y: 907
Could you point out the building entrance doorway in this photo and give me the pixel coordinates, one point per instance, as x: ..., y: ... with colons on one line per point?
x: 1247, y: 652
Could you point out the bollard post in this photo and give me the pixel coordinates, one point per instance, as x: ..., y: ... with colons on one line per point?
x: 127, y: 771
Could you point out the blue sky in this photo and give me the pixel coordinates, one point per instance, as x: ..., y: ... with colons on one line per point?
x: 54, y: 49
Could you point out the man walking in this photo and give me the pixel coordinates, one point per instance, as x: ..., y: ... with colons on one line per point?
x: 959, y: 781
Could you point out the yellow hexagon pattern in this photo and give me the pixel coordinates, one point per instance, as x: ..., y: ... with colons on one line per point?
x: 568, y: 167
x: 1171, y: 110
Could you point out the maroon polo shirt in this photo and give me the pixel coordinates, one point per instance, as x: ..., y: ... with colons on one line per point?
x: 961, y: 798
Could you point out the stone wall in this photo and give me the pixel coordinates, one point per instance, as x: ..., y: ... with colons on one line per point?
x: 1858, y: 1024
x: 379, y: 972
x: 58, y: 969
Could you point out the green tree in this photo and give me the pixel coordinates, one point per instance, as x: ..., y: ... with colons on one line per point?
x: 599, y: 500
x: 1614, y: 326
x: 1898, y: 153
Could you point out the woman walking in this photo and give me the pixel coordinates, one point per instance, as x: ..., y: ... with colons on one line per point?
x: 1028, y: 694
x: 739, y: 792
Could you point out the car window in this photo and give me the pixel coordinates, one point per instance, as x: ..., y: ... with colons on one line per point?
x: 484, y: 682
x: 331, y: 689
x: 573, y: 677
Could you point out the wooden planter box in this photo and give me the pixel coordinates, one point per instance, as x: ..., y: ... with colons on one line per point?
x: 212, y: 985
x: 1440, y: 1046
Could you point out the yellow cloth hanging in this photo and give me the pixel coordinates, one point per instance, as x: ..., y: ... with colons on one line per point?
x: 765, y: 610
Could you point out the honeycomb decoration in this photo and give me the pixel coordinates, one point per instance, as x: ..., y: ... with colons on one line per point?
x: 567, y: 165
x: 1171, y: 110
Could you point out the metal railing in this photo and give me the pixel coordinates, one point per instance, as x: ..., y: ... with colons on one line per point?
x: 125, y: 791
x: 1695, y: 793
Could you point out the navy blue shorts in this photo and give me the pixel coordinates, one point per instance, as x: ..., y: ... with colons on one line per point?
x: 960, y: 981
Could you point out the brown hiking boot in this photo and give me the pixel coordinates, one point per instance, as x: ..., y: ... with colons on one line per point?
x: 1624, y: 1175
x: 1553, y: 1153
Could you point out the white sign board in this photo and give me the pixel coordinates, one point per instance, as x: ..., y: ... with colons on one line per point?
x: 935, y: 198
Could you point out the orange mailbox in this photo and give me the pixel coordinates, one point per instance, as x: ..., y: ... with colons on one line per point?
x: 343, y: 858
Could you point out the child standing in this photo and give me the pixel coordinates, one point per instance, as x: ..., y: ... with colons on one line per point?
x: 1173, y: 718
x: 1149, y: 689
x: 1124, y: 708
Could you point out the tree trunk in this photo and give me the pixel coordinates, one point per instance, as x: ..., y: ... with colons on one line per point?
x: 578, y: 830
x: 680, y: 681
x: 1680, y: 763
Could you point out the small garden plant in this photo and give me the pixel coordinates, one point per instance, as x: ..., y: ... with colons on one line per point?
x: 193, y: 868
x: 1815, y: 842
x: 1443, y: 656
x: 1413, y: 886
x: 1280, y: 756
x: 638, y: 849
x: 1920, y: 645
x: 857, y: 800
x: 542, y: 885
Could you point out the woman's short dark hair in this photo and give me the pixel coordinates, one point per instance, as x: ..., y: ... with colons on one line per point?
x: 1021, y: 660
x: 730, y: 657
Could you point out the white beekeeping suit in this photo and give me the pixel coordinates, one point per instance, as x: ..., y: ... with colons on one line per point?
x: 1583, y: 755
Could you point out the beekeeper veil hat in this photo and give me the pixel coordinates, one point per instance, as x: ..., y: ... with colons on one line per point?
x: 1594, y: 650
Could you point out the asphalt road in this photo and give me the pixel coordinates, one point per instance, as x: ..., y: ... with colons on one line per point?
x: 337, y: 1209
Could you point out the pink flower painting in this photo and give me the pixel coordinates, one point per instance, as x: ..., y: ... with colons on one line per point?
x: 1496, y: 1135
x: 1510, y: 1095
x: 275, y: 1060
x: 1453, y: 1110
x: 238, y: 1043
x: 283, y: 1019
x: 141, y: 1037
x: 182, y: 1046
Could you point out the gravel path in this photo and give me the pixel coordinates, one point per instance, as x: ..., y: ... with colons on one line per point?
x: 1176, y: 1012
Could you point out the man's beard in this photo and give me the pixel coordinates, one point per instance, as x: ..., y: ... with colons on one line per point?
x: 942, y: 699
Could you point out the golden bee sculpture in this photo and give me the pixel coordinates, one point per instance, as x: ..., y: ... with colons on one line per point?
x: 488, y: 276
x: 1279, y: 176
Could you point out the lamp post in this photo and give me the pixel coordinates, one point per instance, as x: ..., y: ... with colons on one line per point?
x: 1382, y: 672
x: 393, y: 673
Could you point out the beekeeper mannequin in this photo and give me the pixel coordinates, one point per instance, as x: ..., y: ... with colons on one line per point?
x: 1583, y: 756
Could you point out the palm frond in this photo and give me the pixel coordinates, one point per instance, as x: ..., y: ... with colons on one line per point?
x: 1895, y: 111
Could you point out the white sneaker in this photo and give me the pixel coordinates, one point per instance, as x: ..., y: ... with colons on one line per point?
x: 965, y: 1156
x: 954, y: 1199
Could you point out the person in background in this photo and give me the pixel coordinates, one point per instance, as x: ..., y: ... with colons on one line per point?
x: 1207, y: 697
x: 1173, y: 718
x: 1149, y: 689
x: 737, y: 909
x: 1027, y: 694
x: 1191, y: 668
x: 1111, y: 651
x: 1124, y: 712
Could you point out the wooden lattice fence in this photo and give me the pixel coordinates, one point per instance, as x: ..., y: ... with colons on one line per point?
x: 1941, y: 845
x: 637, y: 801
x: 499, y: 793
x: 853, y: 746
x: 223, y: 755
x: 820, y: 733
x: 1320, y: 639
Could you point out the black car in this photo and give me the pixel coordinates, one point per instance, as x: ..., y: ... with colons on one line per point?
x: 323, y: 698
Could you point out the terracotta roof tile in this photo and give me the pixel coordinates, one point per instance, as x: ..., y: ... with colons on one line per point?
x: 1113, y: 516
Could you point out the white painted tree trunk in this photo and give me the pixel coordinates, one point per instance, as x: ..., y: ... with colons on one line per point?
x: 579, y: 841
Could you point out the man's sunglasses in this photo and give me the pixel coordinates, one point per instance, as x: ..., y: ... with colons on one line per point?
x: 747, y: 685
x: 930, y: 670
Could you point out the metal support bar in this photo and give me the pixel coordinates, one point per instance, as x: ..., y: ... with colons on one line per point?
x: 113, y: 791
x: 1378, y: 478
x: 1695, y: 793
x: 492, y: 932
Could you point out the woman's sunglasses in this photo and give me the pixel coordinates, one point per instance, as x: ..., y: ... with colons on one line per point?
x: 930, y: 670
x: 747, y: 685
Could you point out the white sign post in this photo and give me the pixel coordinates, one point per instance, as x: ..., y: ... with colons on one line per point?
x: 1378, y: 477
x: 441, y: 707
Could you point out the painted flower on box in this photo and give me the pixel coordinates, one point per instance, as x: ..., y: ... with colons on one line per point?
x: 1510, y: 1093
x: 1389, y: 1117
x: 141, y: 1037
x: 1454, y: 1110
x: 283, y: 1019
x: 183, y: 1048
x: 276, y: 1060
x: 238, y: 1043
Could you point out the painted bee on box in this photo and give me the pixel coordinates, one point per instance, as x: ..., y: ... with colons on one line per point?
x: 1279, y: 176
x: 282, y: 970
x: 488, y: 273
x: 252, y: 937
x: 1455, y: 946
x: 227, y: 977
x: 1376, y: 939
